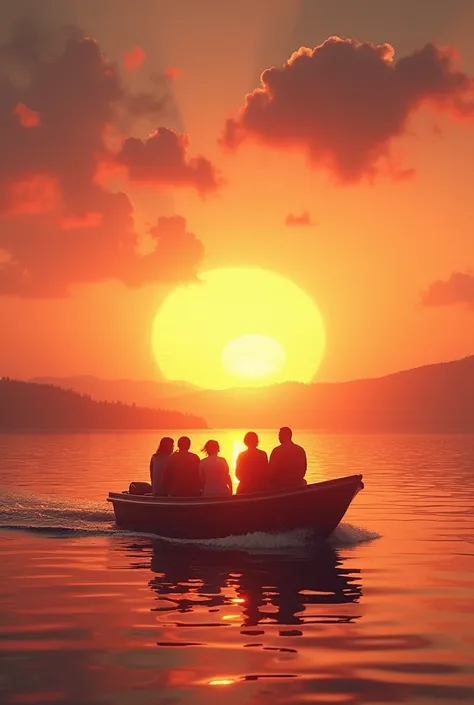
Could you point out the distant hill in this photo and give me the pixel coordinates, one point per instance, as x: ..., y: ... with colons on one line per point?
x: 143, y: 392
x: 25, y: 405
x: 435, y: 398
x: 432, y: 399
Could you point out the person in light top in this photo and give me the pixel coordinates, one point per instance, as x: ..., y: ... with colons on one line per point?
x: 214, y: 472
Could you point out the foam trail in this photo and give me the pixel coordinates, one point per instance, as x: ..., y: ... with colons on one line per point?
x: 32, y: 511
x: 258, y: 541
x: 345, y: 535
x: 350, y: 535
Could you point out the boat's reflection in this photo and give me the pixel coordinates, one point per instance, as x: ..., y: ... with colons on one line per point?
x: 312, y: 584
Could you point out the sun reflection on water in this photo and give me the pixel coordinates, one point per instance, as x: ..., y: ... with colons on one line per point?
x: 237, y: 447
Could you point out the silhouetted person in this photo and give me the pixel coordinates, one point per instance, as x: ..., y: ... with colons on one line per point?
x: 287, y: 465
x: 181, y: 473
x: 214, y: 472
x: 157, y: 464
x: 252, y: 466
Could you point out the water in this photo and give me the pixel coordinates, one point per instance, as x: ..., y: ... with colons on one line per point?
x: 383, y: 613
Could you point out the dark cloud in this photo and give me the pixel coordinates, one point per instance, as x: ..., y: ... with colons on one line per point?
x: 145, y: 103
x: 343, y: 102
x: 175, y: 254
x: 61, y: 103
x: 457, y: 290
x: 302, y: 220
x: 162, y: 159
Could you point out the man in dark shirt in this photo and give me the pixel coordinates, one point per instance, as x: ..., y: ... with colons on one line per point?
x: 287, y: 465
x: 252, y: 466
x: 181, y: 472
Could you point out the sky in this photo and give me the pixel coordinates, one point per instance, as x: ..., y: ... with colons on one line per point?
x: 144, y: 143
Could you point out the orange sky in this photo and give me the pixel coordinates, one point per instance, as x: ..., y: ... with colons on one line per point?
x: 372, y: 248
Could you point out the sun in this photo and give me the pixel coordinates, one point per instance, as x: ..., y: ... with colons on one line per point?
x: 238, y: 327
x: 254, y: 356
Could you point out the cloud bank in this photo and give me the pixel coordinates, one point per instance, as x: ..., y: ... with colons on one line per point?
x: 61, y: 102
x: 344, y: 102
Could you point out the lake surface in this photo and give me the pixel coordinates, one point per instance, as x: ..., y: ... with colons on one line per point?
x: 381, y: 614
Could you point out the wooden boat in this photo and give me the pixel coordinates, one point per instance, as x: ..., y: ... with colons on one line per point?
x: 319, y: 507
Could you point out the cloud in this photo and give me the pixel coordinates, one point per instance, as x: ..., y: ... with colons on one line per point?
x: 26, y: 116
x: 304, y: 219
x: 344, y: 102
x: 174, y: 256
x: 33, y: 196
x: 45, y: 258
x: 134, y: 58
x: 457, y: 290
x: 62, y: 108
x: 162, y: 159
x: 172, y: 72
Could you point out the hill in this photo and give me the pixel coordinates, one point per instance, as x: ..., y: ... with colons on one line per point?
x: 142, y: 392
x: 432, y: 399
x: 25, y: 405
x: 435, y: 398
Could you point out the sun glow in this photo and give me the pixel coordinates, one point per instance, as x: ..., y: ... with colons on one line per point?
x: 254, y: 356
x: 238, y: 327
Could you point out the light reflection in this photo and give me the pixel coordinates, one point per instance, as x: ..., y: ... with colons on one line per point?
x: 221, y: 681
x: 237, y: 448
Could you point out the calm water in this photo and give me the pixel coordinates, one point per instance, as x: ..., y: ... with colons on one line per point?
x: 383, y: 613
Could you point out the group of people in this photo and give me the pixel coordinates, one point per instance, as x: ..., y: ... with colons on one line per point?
x: 184, y: 474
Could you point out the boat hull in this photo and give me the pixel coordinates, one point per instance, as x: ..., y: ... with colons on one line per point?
x: 320, y: 507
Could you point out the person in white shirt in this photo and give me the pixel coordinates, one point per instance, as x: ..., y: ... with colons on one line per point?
x: 214, y: 472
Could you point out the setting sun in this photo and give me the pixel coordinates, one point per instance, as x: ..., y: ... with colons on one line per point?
x: 254, y: 357
x: 238, y: 327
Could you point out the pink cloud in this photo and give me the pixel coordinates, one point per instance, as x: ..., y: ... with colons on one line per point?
x: 172, y: 72
x: 35, y: 195
x: 304, y: 219
x: 26, y: 116
x: 134, y: 58
x: 89, y: 220
x: 457, y: 290
x: 344, y: 102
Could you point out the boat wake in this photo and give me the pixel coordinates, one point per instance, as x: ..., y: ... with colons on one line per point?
x: 66, y: 516
x: 345, y: 535
x: 37, y: 513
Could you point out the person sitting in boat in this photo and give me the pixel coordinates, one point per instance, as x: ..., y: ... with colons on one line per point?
x: 157, y: 464
x: 181, y: 474
x: 287, y: 464
x: 214, y: 472
x: 252, y: 466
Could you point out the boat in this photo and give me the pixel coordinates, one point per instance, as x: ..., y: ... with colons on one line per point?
x: 319, y: 507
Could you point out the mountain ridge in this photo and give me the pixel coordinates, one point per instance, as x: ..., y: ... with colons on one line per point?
x: 438, y: 397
